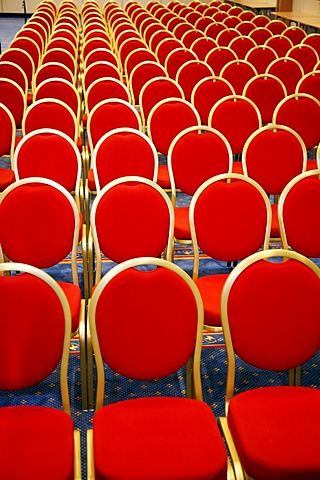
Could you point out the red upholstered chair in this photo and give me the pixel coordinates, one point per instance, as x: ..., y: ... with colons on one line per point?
x: 127, y: 47
x: 157, y: 37
x: 7, y: 142
x: 236, y: 117
x: 40, y: 225
x: 165, y: 47
x: 232, y: 21
x: 142, y: 73
x: 272, y: 156
x: 276, y: 26
x: 101, y: 55
x: 310, y: 83
x: 245, y: 27
x: 280, y: 44
x: 218, y: 57
x: 260, y: 20
x: 312, y: 39
x: 177, y: 58
x: 21, y: 58
x: 191, y: 73
x: 266, y: 91
x: 41, y: 437
x: 288, y: 70
x: 188, y: 38
x: 207, y: 92
x: 230, y: 218
x: 224, y: 38
x: 301, y: 112
x: 296, y: 34
x: 53, y: 70
x: 14, y: 98
x: 14, y: 72
x: 97, y: 70
x: 29, y: 45
x: 260, y: 35
x: 166, y: 119
x: 136, y: 57
x: 184, y: 430
x: 297, y: 209
x: 260, y: 57
x: 306, y: 55
x: 61, y: 56
x: 285, y: 289
x: 247, y: 15
x: 238, y: 73
x: 195, y: 155
x: 202, y: 46
x: 242, y: 45
x: 156, y: 89
x: 213, y: 30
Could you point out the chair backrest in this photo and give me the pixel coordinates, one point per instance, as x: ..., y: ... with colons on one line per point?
x: 14, y: 98
x: 123, y: 152
x: 313, y: 39
x: 52, y: 70
x: 238, y: 73
x: 131, y: 217
x: 276, y: 26
x: 97, y: 70
x: 280, y: 44
x: 266, y: 91
x: 260, y: 57
x: 284, y: 289
x: 301, y: 112
x: 101, y: 55
x: 145, y: 360
x: 296, y: 34
x: 154, y: 90
x: 272, y: 156
x: 28, y: 296
x: 260, y: 35
x: 214, y: 29
x: 61, y: 56
x: 310, y: 83
x: 176, y: 58
x: 236, y: 117
x: 104, y: 88
x: 136, y: 57
x: 39, y: 223
x: 49, y: 153
x: 50, y: 113
x: 202, y: 46
x: 196, y: 154
x: 218, y: 57
x: 21, y: 58
x: 288, y: 70
x: 207, y: 92
x: 230, y: 218
x: 306, y: 55
x: 242, y: 45
x: 8, y: 132
x: 191, y: 73
x: 14, y: 72
x: 225, y: 36
x: 29, y: 45
x: 188, y: 38
x: 169, y: 117
x: 246, y: 27
x: 142, y: 73
x: 298, y: 208
x: 108, y: 115
x: 60, y: 89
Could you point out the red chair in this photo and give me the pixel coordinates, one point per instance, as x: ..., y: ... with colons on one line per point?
x: 247, y: 15
x: 313, y: 39
x: 306, y: 55
x: 141, y: 74
x: 177, y: 58
x: 296, y: 34
x: 171, y: 424
x: 245, y: 28
x: 218, y: 57
x: 285, y: 289
x: 14, y: 98
x: 42, y: 437
x: 21, y: 58
x: 97, y: 70
x: 60, y: 56
x: 310, y: 83
x: 260, y: 57
x: 191, y: 73
x: 238, y: 73
x: 225, y: 36
x: 188, y: 38
x: 202, y: 46
x: 260, y: 35
x: 7, y: 142
x: 266, y: 91
x: 276, y: 26
x: 232, y: 21
x: 288, y: 70
x: 35, y: 35
x: 136, y: 57
x: 213, y: 30
x: 15, y: 73
x: 230, y: 218
x: 272, y: 156
x: 166, y: 47
x: 207, y: 92
x: 260, y: 20
x: 280, y: 44
x: 101, y: 55
x: 30, y: 46
x: 242, y: 45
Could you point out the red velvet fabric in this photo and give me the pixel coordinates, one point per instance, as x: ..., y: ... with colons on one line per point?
x: 50, y: 115
x: 285, y: 295
x: 30, y: 312
x: 210, y: 288
x: 207, y: 94
x: 48, y: 156
x: 236, y: 120
x: 62, y: 91
x: 276, y: 432
x: 204, y: 45
x: 242, y: 45
x: 32, y: 219
x: 159, y: 438
x: 230, y: 220
x: 288, y: 72
x: 300, y: 213
x: 311, y: 85
x: 51, y: 68
x: 11, y: 96
x: 261, y: 35
x: 307, y: 57
x: 266, y: 93
x: 106, y: 88
x: 163, y: 176
x: 132, y: 221
x: 36, y: 443
x: 166, y: 48
x: 74, y: 295
x: 273, y: 158
x: 160, y: 89
x: 238, y: 74
x: 275, y: 229
x: 261, y: 57
x: 225, y: 37
x: 132, y: 302
x: 99, y: 70
x: 142, y: 74
x: 181, y: 223
x: 6, y: 178
x: 178, y: 57
x: 19, y: 57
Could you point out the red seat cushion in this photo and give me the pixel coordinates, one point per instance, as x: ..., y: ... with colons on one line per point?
x: 91, y: 183
x: 210, y: 288
x: 158, y: 438
x: 163, y: 177
x: 237, y: 168
x: 6, y: 178
x: 73, y: 294
x: 36, y: 443
x: 275, y: 229
x: 276, y: 432
x: 181, y: 223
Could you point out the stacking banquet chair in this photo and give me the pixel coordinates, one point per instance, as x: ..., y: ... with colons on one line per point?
x: 207, y: 92
x: 36, y: 441
x: 176, y: 58
x: 266, y: 91
x: 142, y: 73
x: 182, y: 429
x: 218, y: 57
x: 238, y: 73
x: 301, y: 112
x: 154, y: 90
x: 288, y: 70
x: 260, y: 57
x: 272, y: 431
x: 49, y: 70
x: 166, y: 119
x: 306, y: 55
x: 310, y: 83
x: 242, y: 45
x: 7, y: 144
x: 21, y: 58
x: 236, y: 117
x: 195, y: 155
x: 40, y: 226
x: 14, y: 98
x: 191, y: 73
x: 118, y: 153
x: 280, y: 44
x: 296, y: 34
x: 28, y: 45
x: 313, y: 39
x: 97, y: 70
x: 61, y: 56
x: 298, y: 208
x: 14, y: 72
x: 230, y: 218
x: 272, y: 156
